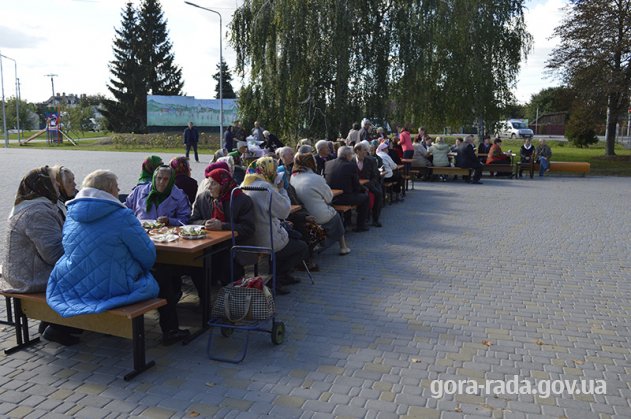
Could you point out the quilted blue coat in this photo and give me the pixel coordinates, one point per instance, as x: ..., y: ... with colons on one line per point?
x: 107, y: 258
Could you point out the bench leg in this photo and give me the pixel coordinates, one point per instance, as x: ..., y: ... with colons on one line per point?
x: 138, y: 342
x: 9, y: 321
x: 21, y: 330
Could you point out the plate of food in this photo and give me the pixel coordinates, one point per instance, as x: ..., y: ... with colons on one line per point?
x: 151, y: 224
x: 192, y: 232
x: 162, y: 230
x: 164, y: 238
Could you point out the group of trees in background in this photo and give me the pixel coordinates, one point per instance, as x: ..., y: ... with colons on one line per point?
x: 315, y: 67
x: 143, y: 64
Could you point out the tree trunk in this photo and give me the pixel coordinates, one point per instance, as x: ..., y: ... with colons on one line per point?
x: 612, y: 118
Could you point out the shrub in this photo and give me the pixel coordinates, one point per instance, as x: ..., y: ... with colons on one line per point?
x: 160, y: 140
x: 580, y: 128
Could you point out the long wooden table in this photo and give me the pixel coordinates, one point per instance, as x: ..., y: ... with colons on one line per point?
x: 196, y: 253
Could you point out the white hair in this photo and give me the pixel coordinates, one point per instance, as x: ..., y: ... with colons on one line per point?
x: 321, y: 144
x: 344, y: 152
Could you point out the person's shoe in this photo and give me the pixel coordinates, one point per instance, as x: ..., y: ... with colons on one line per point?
x: 360, y: 229
x: 63, y: 338
x: 476, y: 182
x: 175, y: 335
x: 377, y: 224
x: 345, y: 251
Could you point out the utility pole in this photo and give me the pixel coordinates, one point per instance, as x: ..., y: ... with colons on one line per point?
x: 4, y: 112
x: 52, y: 83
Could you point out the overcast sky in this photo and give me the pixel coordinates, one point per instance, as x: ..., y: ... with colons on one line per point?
x: 73, y: 39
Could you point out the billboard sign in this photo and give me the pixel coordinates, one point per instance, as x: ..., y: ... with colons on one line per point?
x: 172, y: 111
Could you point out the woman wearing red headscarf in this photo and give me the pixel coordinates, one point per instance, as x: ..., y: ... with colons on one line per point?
x: 212, y: 209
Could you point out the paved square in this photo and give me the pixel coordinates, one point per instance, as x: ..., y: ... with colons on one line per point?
x: 513, y: 277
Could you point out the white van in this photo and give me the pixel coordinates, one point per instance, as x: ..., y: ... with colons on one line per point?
x: 514, y: 128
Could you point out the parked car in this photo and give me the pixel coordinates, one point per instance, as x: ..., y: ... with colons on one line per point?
x: 514, y: 128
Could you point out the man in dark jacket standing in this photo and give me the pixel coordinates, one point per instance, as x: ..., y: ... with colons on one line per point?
x: 191, y: 138
x: 342, y: 173
x: 466, y: 158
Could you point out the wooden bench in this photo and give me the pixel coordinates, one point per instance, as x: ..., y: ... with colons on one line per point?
x: 450, y: 171
x: 344, y: 208
x: 499, y: 168
x: 125, y: 322
x: 570, y: 166
x: 579, y: 167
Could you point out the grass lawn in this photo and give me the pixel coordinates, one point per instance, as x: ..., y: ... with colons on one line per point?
x: 619, y: 165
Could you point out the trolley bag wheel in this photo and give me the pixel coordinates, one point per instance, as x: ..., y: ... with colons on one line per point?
x: 278, y: 333
x: 226, y: 332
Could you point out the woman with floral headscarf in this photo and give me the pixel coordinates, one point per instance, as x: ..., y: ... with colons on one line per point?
x: 160, y: 199
x: 213, y: 210
x: 183, y: 179
x: 262, y: 173
x: 66, y: 186
x: 33, y: 240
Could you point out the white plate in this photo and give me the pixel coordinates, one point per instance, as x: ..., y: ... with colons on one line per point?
x: 164, y: 238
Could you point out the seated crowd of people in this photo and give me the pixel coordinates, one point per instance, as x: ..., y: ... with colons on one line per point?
x: 88, y: 251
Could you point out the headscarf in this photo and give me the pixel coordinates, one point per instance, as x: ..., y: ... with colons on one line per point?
x: 304, y: 161
x: 149, y: 166
x: 180, y: 165
x: 263, y: 168
x: 36, y: 184
x: 60, y: 174
x: 227, y: 184
x: 156, y: 197
x: 215, y: 165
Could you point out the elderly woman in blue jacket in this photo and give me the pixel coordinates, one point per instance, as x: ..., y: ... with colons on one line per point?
x: 107, y: 255
x: 160, y: 199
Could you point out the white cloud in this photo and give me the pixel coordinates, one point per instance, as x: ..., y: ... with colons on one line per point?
x: 542, y: 17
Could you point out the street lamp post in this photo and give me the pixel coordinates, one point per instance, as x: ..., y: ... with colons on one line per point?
x: 4, y: 112
x: 221, y: 140
x: 17, y: 97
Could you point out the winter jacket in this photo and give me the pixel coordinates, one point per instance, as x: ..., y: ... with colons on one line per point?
x: 315, y: 195
x: 107, y: 260
x: 281, y: 205
x: 440, y: 152
x: 33, y: 245
x: 176, y: 206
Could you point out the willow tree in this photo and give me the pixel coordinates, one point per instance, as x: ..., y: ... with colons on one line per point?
x: 457, y: 59
x: 310, y: 62
x: 317, y: 65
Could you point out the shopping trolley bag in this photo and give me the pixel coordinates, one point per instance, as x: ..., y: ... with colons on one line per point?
x: 245, y: 299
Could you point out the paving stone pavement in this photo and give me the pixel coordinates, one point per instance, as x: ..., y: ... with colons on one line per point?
x: 484, y: 282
